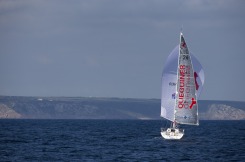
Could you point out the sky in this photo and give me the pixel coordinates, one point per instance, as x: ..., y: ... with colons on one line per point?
x: 117, y: 48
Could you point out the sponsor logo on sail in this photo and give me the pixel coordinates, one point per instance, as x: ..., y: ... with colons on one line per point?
x: 185, y: 117
x: 193, y: 102
x: 173, y: 96
x: 181, y: 89
x: 184, y: 89
x: 172, y: 84
x: 183, y: 44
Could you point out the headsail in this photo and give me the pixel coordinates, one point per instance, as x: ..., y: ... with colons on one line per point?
x: 169, y: 79
x: 186, y: 97
x: 173, y: 88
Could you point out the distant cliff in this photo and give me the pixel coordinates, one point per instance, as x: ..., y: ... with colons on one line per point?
x: 223, y: 112
x: 107, y: 108
x: 7, y: 112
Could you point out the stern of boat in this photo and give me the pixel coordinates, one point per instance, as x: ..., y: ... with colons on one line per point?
x: 172, y: 133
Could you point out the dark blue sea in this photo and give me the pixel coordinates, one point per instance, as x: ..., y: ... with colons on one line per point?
x: 118, y: 140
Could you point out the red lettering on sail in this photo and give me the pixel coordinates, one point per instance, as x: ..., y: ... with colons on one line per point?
x: 182, y: 66
x: 180, y: 105
x: 193, y: 102
x: 181, y: 89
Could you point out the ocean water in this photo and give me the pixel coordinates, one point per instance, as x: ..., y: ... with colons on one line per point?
x: 118, y: 140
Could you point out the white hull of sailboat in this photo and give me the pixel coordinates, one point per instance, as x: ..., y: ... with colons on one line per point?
x: 173, y: 134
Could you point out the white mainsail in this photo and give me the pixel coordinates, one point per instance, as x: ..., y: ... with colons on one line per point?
x: 182, y: 82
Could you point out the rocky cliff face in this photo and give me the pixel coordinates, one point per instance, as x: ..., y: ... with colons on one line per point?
x: 107, y: 108
x: 7, y: 112
x: 223, y: 112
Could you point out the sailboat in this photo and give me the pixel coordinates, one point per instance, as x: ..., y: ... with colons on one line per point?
x: 182, y: 82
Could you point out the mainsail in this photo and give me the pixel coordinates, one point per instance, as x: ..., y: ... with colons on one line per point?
x: 182, y: 82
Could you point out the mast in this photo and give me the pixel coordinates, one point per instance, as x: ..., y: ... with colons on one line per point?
x: 176, y: 92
